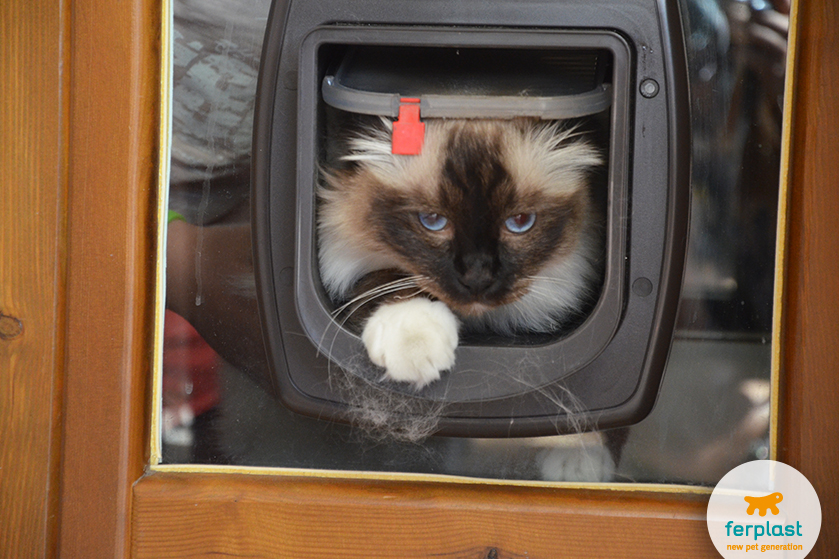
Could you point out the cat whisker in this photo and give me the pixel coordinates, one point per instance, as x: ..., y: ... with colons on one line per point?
x: 558, y: 281
x: 541, y: 292
x: 585, y: 288
x: 401, y: 283
x: 369, y: 296
x: 410, y: 296
x: 372, y: 298
x: 361, y: 300
x: 379, y: 293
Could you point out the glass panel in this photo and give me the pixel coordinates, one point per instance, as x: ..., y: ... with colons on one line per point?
x: 713, y: 409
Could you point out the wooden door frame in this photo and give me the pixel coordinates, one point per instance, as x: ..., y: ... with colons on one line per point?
x: 79, y: 233
x: 32, y: 270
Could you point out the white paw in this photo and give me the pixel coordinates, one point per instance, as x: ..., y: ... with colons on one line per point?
x: 577, y: 458
x: 412, y: 340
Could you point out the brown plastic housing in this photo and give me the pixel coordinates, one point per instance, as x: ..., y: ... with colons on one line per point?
x: 609, y: 367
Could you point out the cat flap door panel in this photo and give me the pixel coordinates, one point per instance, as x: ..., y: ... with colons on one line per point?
x: 470, y: 83
x: 623, y: 70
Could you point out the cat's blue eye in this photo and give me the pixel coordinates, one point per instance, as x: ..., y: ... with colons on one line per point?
x: 432, y: 221
x: 520, y: 223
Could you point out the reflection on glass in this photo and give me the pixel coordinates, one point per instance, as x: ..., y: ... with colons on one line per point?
x: 713, y: 410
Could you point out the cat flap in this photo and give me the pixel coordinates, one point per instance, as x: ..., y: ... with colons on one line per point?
x: 470, y: 83
x: 500, y: 59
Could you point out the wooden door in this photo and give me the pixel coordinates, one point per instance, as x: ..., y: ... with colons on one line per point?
x: 78, y: 215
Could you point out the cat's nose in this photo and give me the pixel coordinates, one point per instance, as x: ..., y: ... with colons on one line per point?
x: 477, y: 278
x: 476, y: 281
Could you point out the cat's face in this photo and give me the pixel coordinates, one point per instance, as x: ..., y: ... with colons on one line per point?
x: 485, y: 208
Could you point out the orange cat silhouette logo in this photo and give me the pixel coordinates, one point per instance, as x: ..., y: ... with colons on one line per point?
x: 769, y: 502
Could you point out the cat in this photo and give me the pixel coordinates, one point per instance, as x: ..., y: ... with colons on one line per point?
x: 491, y: 228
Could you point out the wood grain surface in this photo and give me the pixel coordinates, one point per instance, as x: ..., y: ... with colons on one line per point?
x: 809, y: 430
x: 112, y: 173
x: 31, y: 272
x: 229, y: 515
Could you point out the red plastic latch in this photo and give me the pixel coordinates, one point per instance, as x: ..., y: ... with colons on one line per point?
x: 408, y: 130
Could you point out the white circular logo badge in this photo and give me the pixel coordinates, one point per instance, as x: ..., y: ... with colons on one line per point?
x: 764, y: 509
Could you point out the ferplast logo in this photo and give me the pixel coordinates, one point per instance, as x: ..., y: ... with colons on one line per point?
x: 764, y: 507
x: 762, y: 504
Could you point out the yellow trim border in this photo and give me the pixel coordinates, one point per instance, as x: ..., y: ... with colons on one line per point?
x: 426, y: 478
x: 164, y: 157
x: 790, y: 79
x: 155, y: 451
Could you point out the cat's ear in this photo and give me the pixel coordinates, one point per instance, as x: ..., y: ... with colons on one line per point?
x: 386, y: 123
x: 329, y: 179
x: 372, y: 143
x: 571, y: 154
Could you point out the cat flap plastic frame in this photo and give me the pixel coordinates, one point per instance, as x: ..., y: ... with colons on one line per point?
x: 469, y: 83
x: 613, y: 362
